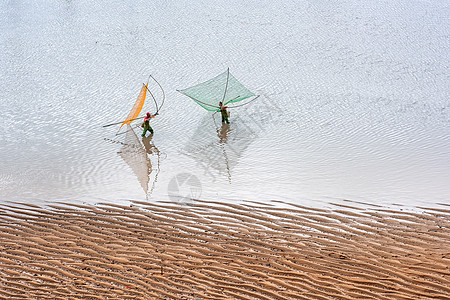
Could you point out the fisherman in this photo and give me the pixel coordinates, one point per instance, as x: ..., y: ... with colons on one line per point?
x: 223, y: 110
x: 146, y: 124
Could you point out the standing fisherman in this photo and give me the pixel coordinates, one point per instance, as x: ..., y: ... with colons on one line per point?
x: 146, y: 124
x: 224, y: 112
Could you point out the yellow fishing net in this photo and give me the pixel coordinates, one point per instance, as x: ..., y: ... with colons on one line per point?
x: 137, y: 106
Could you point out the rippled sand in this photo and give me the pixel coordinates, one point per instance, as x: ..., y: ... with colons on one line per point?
x: 222, y: 251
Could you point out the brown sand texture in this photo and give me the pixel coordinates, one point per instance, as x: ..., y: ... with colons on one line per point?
x: 223, y: 251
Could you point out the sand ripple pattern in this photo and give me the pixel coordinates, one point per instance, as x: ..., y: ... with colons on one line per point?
x: 222, y: 251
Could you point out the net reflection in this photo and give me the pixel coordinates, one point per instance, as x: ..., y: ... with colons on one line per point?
x: 217, y: 154
x: 136, y: 154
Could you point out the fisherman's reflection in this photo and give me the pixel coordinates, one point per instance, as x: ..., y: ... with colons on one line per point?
x: 150, y: 148
x: 223, y: 139
x: 223, y: 133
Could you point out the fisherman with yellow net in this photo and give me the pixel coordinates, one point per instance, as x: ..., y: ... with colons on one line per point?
x: 146, y: 124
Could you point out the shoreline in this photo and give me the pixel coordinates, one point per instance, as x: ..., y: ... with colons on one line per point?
x: 222, y: 251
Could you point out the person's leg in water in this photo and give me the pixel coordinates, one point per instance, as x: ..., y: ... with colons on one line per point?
x: 147, y: 129
x: 225, y: 119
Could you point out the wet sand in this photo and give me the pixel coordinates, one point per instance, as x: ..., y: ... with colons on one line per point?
x: 223, y: 251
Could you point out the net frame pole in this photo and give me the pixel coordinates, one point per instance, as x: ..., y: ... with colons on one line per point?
x: 226, y: 86
x: 257, y: 96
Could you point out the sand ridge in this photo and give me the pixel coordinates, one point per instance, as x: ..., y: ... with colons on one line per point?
x: 209, y: 250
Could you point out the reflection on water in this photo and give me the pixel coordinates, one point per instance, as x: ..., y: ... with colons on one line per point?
x: 152, y: 150
x: 136, y: 155
x: 223, y: 133
x: 217, y: 154
x: 223, y: 139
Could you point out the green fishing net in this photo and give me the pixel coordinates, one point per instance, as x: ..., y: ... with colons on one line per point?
x: 223, y: 87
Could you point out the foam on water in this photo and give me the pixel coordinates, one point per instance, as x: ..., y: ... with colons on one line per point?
x: 354, y: 100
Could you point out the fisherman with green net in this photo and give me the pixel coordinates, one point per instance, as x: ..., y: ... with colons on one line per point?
x: 224, y: 112
x: 146, y: 124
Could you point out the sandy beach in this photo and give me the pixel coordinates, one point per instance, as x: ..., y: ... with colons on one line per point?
x: 223, y: 251
x: 333, y: 184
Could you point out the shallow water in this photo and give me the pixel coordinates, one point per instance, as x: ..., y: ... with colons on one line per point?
x: 354, y: 102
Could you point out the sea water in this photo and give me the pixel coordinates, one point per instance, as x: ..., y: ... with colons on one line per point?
x: 354, y: 101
